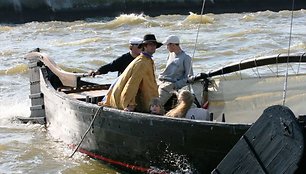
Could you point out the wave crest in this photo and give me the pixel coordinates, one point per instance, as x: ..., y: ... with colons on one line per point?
x: 18, y: 69
x: 79, y: 42
x: 193, y: 18
x: 125, y: 19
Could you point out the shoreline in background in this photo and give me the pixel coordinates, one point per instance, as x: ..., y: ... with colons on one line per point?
x: 19, y: 11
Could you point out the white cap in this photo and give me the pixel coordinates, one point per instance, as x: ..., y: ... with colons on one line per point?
x: 171, y: 39
x: 135, y: 41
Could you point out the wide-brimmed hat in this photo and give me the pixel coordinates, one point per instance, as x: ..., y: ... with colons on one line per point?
x: 151, y: 38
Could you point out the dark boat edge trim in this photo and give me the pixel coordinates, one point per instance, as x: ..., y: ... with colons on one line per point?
x: 117, y: 163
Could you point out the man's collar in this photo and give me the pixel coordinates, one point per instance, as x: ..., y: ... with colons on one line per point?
x: 147, y: 55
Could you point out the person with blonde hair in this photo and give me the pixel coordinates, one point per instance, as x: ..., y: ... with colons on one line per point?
x: 184, y: 110
x: 185, y: 100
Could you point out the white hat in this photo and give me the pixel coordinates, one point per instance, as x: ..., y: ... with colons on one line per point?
x: 135, y: 41
x: 171, y: 39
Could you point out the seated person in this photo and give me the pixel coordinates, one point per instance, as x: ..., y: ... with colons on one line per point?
x: 156, y: 107
x: 184, y: 110
x: 177, y: 71
x: 185, y: 100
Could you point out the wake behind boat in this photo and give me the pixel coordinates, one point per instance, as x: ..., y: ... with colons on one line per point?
x: 146, y: 143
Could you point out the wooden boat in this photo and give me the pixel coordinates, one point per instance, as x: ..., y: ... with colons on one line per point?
x: 141, y: 142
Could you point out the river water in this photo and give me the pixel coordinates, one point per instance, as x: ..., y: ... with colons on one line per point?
x: 84, y: 45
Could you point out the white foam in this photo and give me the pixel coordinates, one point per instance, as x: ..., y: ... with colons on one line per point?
x: 13, y: 105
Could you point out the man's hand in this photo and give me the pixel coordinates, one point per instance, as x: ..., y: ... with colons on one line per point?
x: 129, y: 108
x: 92, y: 73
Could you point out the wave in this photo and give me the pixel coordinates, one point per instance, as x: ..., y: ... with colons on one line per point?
x: 193, y: 18
x: 249, y: 17
x: 300, y: 46
x: 18, y: 69
x: 113, y: 23
x: 96, y: 62
x: 7, y: 53
x: 132, y: 20
x: 23, y: 68
x: 125, y: 20
x: 79, y: 42
x: 72, y: 69
x: 14, y: 101
x: 5, y: 28
x: 245, y: 32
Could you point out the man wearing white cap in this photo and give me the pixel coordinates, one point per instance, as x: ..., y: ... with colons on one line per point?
x: 123, y: 61
x: 177, y: 70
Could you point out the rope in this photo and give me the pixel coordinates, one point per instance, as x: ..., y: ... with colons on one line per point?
x: 83, y: 137
x: 289, y: 44
x: 195, y: 45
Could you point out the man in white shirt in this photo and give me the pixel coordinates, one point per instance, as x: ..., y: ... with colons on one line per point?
x: 178, y: 68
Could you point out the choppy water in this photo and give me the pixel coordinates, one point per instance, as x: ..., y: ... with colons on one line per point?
x: 84, y: 45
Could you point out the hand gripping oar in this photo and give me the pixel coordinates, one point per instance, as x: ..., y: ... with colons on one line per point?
x: 92, y: 121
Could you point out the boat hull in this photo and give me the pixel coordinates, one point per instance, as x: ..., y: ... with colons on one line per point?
x: 137, y: 141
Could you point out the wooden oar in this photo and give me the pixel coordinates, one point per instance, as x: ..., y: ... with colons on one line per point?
x: 261, y: 61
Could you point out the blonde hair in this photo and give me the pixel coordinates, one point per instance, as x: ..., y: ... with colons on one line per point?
x: 185, y: 100
x: 156, y: 101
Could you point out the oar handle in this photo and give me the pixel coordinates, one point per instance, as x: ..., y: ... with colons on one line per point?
x: 197, y: 77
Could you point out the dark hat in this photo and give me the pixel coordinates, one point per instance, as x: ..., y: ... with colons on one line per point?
x: 151, y: 38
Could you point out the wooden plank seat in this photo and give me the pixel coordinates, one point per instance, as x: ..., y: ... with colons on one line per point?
x: 93, y: 96
x: 88, y: 93
x: 68, y: 89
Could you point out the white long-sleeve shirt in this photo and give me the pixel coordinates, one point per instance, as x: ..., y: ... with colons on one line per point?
x: 178, y: 68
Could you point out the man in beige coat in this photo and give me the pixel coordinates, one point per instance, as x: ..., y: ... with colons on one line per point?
x: 136, y: 86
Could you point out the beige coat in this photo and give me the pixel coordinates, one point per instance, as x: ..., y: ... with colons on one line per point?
x: 136, y: 86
